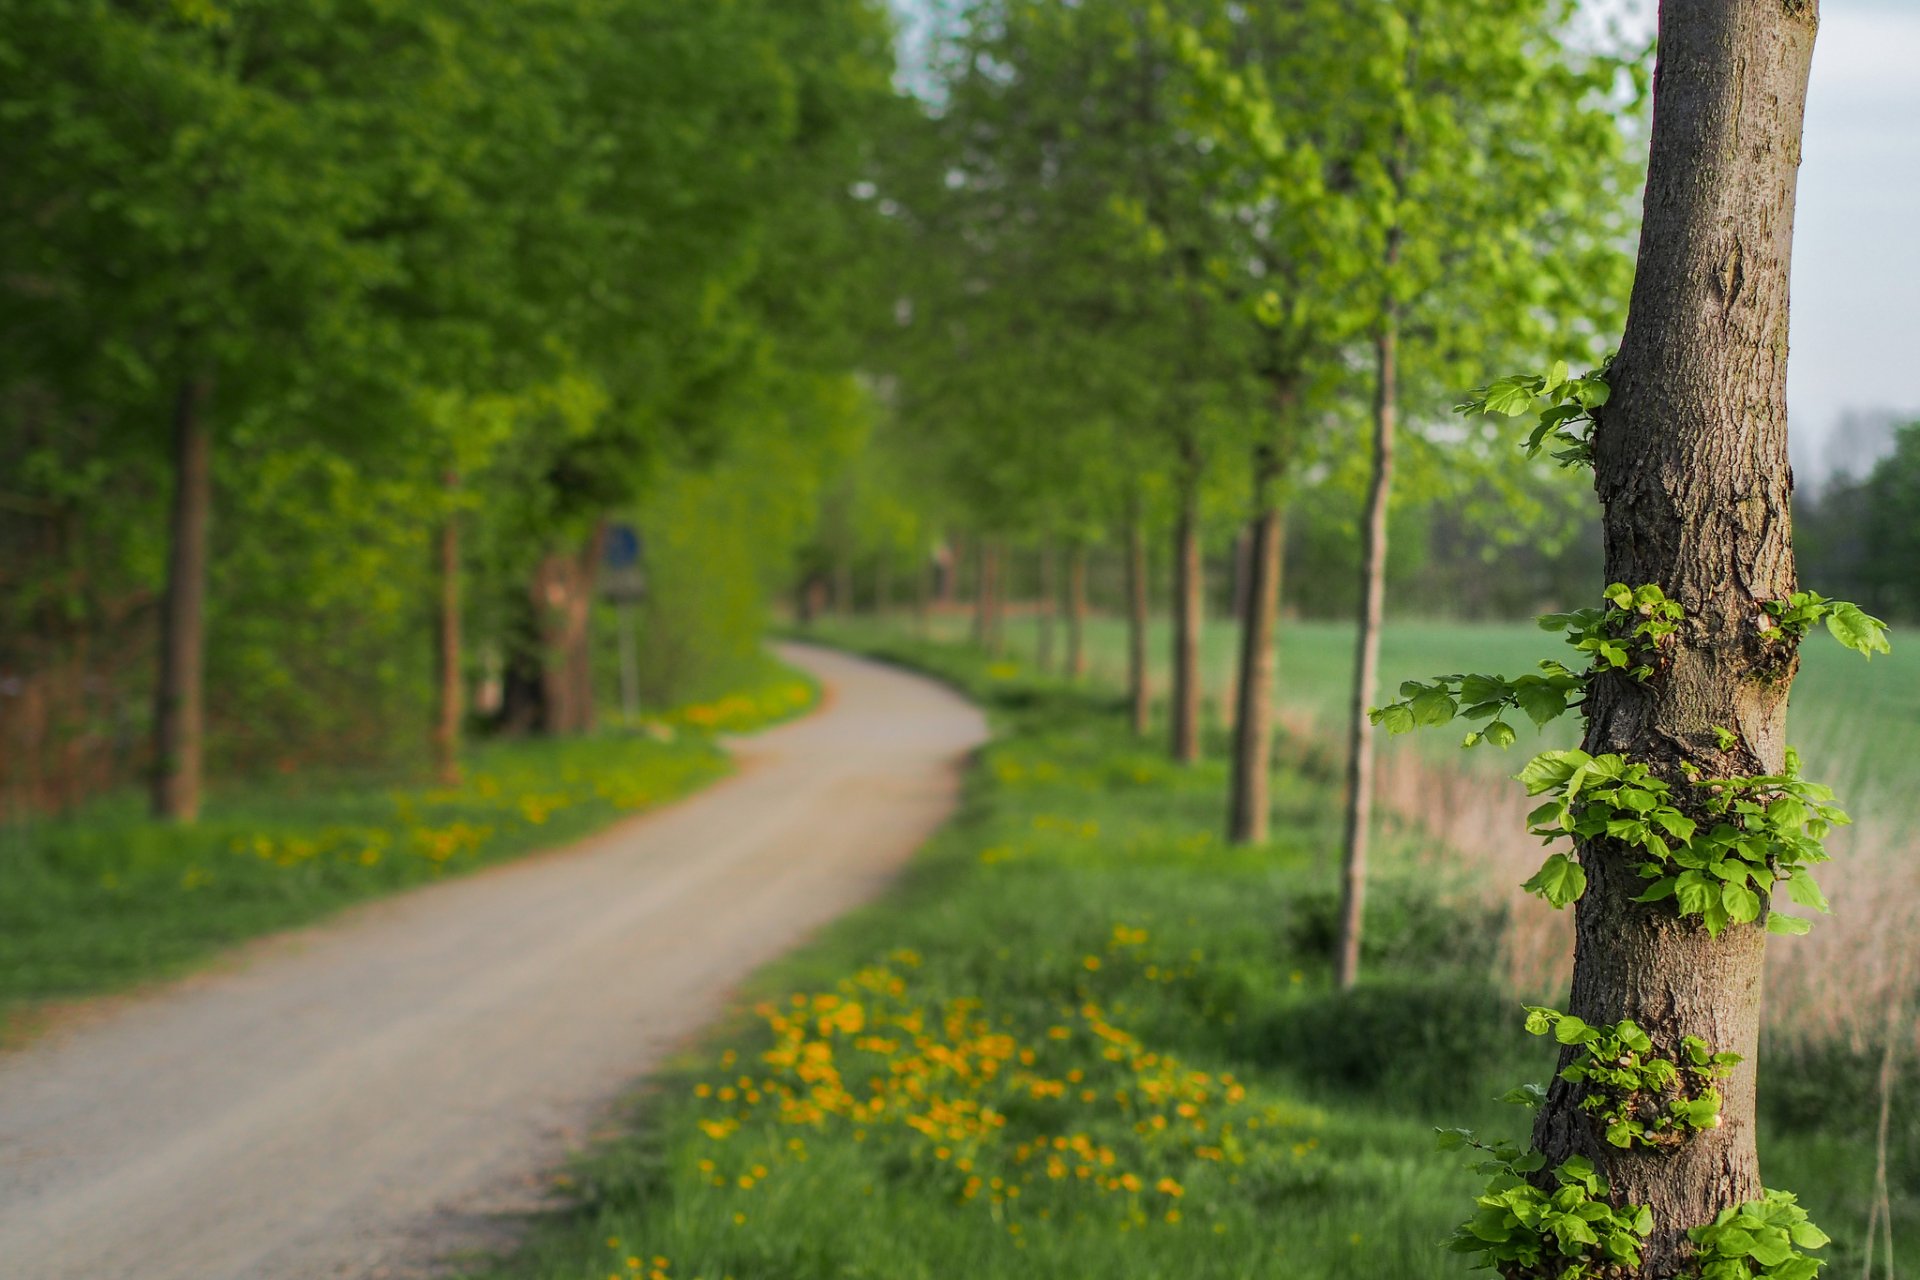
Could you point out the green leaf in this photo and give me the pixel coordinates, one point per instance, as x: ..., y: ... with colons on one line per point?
x: 1803, y: 891
x: 1857, y: 629
x: 1572, y: 1030
x: 1510, y: 397
x: 1550, y: 769
x: 1560, y: 880
x: 1432, y: 705
x: 1791, y: 925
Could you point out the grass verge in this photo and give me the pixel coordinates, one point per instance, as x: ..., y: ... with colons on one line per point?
x: 104, y: 897
x: 1082, y: 1037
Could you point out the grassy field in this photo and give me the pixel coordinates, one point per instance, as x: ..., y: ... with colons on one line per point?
x: 1083, y: 1038
x: 104, y: 897
x: 1857, y: 723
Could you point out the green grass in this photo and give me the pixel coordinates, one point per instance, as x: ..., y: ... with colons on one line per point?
x: 104, y: 897
x: 1077, y: 958
x: 1857, y: 723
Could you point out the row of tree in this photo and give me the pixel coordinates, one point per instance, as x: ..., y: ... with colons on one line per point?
x: 312, y: 310
x: 1174, y: 257
x: 1169, y: 269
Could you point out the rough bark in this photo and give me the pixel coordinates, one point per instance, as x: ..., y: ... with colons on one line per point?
x: 446, y: 648
x: 1249, y: 800
x: 1139, y: 688
x: 1077, y: 613
x: 1189, y: 603
x: 1691, y: 466
x: 1366, y: 654
x: 180, y: 695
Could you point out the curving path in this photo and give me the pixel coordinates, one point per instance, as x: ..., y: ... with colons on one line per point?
x: 358, y: 1099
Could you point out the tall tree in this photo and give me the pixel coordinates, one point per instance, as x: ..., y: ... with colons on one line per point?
x: 1690, y: 462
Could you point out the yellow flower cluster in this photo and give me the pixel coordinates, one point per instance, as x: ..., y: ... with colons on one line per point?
x: 1081, y: 1109
x: 741, y: 711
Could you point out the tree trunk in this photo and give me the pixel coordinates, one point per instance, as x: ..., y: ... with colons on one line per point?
x: 1139, y: 690
x: 180, y: 697
x: 1249, y: 802
x: 446, y: 649
x: 1242, y: 569
x: 1188, y: 603
x: 562, y: 592
x: 1691, y: 468
x: 1366, y: 649
x: 1077, y: 613
x: 1049, y: 595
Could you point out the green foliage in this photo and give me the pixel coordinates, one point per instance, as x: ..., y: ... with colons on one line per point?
x: 1718, y: 851
x: 1625, y: 633
x: 1566, y: 407
x: 101, y: 898
x: 1848, y: 623
x: 1761, y: 1238
x: 1572, y: 1231
x: 1635, y: 1097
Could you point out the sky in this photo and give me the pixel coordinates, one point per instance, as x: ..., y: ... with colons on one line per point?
x: 1856, y: 240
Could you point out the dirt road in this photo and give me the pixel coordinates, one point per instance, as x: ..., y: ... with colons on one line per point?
x: 353, y: 1100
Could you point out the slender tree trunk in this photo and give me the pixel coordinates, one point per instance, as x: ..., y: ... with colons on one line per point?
x: 882, y: 587
x: 446, y: 649
x: 180, y: 695
x: 1242, y: 568
x: 1139, y: 690
x: 1189, y: 586
x: 1077, y: 612
x: 1691, y: 468
x: 1049, y: 596
x: 1249, y: 800
x: 1366, y: 648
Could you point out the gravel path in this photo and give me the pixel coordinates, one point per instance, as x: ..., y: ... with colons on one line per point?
x: 358, y: 1099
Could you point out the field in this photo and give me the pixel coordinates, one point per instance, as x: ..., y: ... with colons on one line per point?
x: 1082, y: 1037
x: 1856, y: 723
x: 103, y: 897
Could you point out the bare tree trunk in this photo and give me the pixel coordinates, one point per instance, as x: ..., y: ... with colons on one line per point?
x: 1049, y: 596
x: 1242, y: 569
x: 1366, y: 648
x: 1249, y: 800
x: 1077, y: 612
x: 1691, y: 467
x: 180, y: 696
x: 1189, y: 587
x: 1139, y: 691
x: 882, y: 587
x: 446, y: 649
